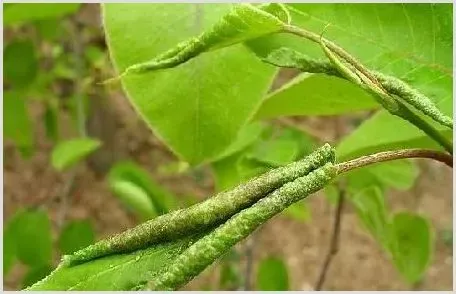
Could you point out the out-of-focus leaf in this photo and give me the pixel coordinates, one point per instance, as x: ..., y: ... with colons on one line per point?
x: 51, y: 122
x: 35, y: 274
x: 371, y: 209
x: 447, y: 236
x: 32, y: 233
x: 20, y: 63
x: 76, y: 235
x: 49, y: 28
x: 126, y: 171
x: 398, y: 174
x: 68, y: 153
x: 246, y: 137
x: 298, y: 211
x: 135, y: 198
x: 18, y: 13
x: 272, y: 275
x: 275, y: 153
x: 16, y: 122
x: 411, y: 245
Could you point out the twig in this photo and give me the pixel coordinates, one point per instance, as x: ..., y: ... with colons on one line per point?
x: 249, y: 246
x: 80, y: 116
x: 394, y: 155
x: 334, y: 243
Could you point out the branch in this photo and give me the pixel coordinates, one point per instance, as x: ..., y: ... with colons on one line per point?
x: 334, y: 245
x: 394, y: 155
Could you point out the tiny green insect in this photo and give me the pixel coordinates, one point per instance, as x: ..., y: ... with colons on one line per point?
x: 205, y: 215
x: 207, y: 249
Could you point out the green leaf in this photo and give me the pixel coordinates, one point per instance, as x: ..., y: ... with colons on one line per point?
x: 246, y: 137
x: 32, y: 234
x: 16, y: 122
x: 70, y: 152
x: 51, y: 122
x: 398, y: 174
x: 298, y: 211
x: 18, y: 13
x: 135, y: 198
x: 76, y: 235
x: 411, y: 245
x: 50, y: 28
x: 35, y: 274
x: 114, y: 272
x: 315, y: 94
x: 371, y: 210
x: 226, y: 173
x: 197, y: 108
x: 20, y: 63
x: 384, y: 132
x: 9, y: 242
x: 243, y: 22
x: 274, y: 153
x: 272, y: 275
x: 384, y: 38
x: 134, y: 186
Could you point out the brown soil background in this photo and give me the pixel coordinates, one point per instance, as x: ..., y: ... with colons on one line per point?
x: 359, y: 265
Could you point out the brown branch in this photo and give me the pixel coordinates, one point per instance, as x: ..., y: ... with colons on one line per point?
x: 334, y: 243
x: 394, y: 155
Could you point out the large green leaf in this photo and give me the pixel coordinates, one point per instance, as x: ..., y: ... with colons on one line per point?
x: 411, y: 245
x: 198, y: 107
x: 17, y: 13
x: 384, y: 132
x: 113, y: 272
x: 410, y: 41
x: 67, y: 153
x: 272, y: 275
x: 315, y: 94
x: 35, y: 274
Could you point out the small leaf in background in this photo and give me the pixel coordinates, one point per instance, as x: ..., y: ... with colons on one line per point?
x: 226, y: 174
x: 76, y: 235
x: 35, y: 274
x: 411, y: 245
x: 306, y: 143
x: 68, y: 153
x: 129, y: 172
x: 298, y: 211
x: 49, y: 28
x: 32, y: 233
x: 16, y: 121
x: 20, y: 63
x: 246, y: 137
x: 272, y: 275
x: 51, y: 122
x: 275, y: 152
x: 134, y: 198
x: 18, y: 13
x: 371, y: 209
x: 398, y: 174
x: 9, y: 241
